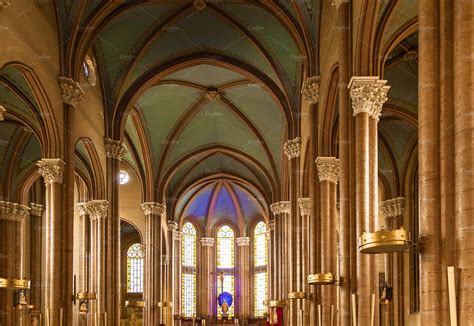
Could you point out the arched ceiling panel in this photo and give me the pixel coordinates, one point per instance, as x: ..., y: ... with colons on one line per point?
x: 205, y: 74
x: 200, y: 203
x: 400, y: 136
x: 402, y: 76
x: 404, y: 11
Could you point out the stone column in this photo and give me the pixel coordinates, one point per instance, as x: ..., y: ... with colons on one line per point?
x: 345, y: 145
x: 292, y: 149
x: 305, y: 208
x: 174, y: 276
x: 52, y: 171
x: 271, y: 266
x: 98, y: 214
x: 243, y: 273
x: 36, y: 263
x: 277, y: 262
x: 392, y: 210
x: 114, y: 150
x: 153, y: 285
x: 207, y: 294
x: 328, y: 173
x: 368, y: 95
x: 83, y: 277
x: 12, y: 216
x: 464, y: 149
x: 310, y: 92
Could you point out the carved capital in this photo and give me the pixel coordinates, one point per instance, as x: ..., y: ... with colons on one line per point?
x: 172, y: 226
x: 82, y: 208
x: 97, y: 209
x: 13, y: 211
x: 305, y: 206
x: 310, y: 89
x: 71, y: 91
x: 368, y: 95
x: 114, y: 148
x: 51, y: 169
x: 2, y: 113
x: 392, y: 207
x: 5, y: 3
x: 207, y: 242
x: 242, y: 241
x: 36, y: 209
x: 328, y: 169
x: 280, y: 207
x: 151, y: 208
x: 292, y: 148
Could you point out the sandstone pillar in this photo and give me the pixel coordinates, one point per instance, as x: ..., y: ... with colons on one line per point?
x: 271, y: 266
x: 171, y: 298
x: 243, y: 273
x: 207, y: 295
x: 153, y: 285
x: 305, y: 208
x: 52, y: 171
x: 177, y: 282
x: 36, y: 263
x: 368, y: 95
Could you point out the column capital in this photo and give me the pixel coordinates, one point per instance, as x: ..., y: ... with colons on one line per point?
x: 2, y: 112
x: 36, y: 209
x: 310, y: 89
x: 338, y: 3
x: 114, y: 148
x: 172, y: 226
x: 82, y: 208
x: 5, y: 3
x: 97, y: 209
x: 51, y: 169
x: 152, y: 208
x: 392, y: 207
x: 13, y: 211
x: 207, y: 242
x: 292, y: 148
x: 71, y: 91
x: 328, y: 169
x: 305, y: 206
x: 280, y: 207
x: 242, y: 241
x: 368, y: 94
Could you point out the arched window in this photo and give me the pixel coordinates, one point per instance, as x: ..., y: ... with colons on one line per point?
x: 225, y: 264
x: 260, y: 254
x: 188, y: 262
x: 135, y: 256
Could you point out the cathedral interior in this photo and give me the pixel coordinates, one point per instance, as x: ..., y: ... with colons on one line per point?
x: 214, y: 162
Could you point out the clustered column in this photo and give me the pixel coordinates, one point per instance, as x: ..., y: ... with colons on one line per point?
x: 207, y: 296
x: 12, y: 216
x: 392, y: 210
x: 36, y: 264
x: 368, y: 95
x: 328, y: 173
x: 52, y: 171
x: 271, y: 266
x: 153, y: 286
x: 305, y: 208
x: 172, y: 267
x: 243, y: 247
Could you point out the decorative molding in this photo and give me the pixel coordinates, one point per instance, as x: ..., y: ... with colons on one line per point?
x: 280, y: 207
x: 305, y: 206
x: 212, y: 94
x: 82, y: 208
x: 97, y: 209
x: 328, y: 169
x: 207, y: 242
x: 199, y: 4
x: 393, y: 207
x: 51, y: 169
x: 114, y: 148
x: 151, y: 208
x: 2, y: 112
x: 242, y: 241
x: 71, y: 91
x: 310, y: 89
x: 368, y: 95
x: 5, y: 3
x: 36, y: 209
x: 172, y: 226
x: 13, y: 211
x: 292, y: 148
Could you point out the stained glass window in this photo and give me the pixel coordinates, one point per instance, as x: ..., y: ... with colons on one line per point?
x: 225, y: 247
x: 188, y: 261
x: 260, y: 250
x: 260, y: 289
x: 135, y: 256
